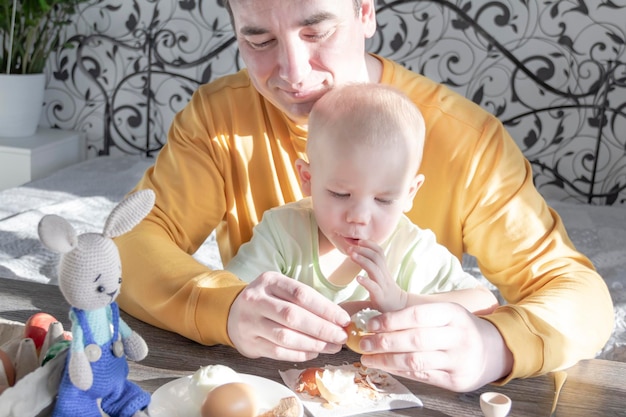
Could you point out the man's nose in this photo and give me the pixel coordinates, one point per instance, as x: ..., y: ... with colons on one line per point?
x: 294, y: 61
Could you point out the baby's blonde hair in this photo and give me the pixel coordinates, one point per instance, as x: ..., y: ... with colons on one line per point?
x: 367, y: 114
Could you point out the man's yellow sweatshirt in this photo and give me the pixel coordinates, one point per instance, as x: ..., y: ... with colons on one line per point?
x: 230, y: 156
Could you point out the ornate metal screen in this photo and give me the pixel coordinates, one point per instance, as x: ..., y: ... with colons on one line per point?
x: 553, y: 72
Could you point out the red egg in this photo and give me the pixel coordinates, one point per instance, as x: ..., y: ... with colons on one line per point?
x: 36, y: 327
x: 233, y: 399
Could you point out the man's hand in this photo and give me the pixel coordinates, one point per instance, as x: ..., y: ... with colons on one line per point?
x: 440, y: 344
x: 280, y: 318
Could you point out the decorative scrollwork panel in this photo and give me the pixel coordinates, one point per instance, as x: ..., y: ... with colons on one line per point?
x: 554, y: 72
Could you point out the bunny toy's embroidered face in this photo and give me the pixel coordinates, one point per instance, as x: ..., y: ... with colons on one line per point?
x: 91, y: 274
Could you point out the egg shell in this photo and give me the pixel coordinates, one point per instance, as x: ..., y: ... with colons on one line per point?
x: 233, y: 399
x: 357, y: 328
x: 307, y: 381
x: 354, y: 337
x: 336, y: 385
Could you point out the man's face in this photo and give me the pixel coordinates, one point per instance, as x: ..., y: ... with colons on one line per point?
x: 298, y: 49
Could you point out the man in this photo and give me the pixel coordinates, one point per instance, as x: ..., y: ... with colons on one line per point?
x: 230, y: 156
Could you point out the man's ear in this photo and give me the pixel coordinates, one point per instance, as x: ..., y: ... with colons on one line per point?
x: 368, y: 17
x: 416, y: 183
x: 304, y: 171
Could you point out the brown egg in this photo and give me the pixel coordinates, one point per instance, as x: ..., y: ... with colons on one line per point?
x: 233, y: 399
x: 355, y: 329
x: 354, y: 337
x: 9, y: 370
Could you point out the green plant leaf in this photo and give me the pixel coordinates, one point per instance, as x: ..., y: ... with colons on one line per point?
x: 39, y: 30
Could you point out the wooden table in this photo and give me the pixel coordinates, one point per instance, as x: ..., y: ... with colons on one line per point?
x: 593, y: 387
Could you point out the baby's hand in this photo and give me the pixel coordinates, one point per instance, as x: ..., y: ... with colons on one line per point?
x: 135, y: 347
x: 385, y: 293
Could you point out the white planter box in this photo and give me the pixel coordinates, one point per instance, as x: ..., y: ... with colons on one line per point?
x: 21, y: 103
x: 24, y: 159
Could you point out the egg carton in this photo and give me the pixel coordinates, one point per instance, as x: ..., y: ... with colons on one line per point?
x: 36, y: 386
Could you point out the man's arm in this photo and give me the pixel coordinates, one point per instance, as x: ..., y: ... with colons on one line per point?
x: 200, y: 180
x: 162, y: 283
x: 522, y: 247
x: 166, y: 287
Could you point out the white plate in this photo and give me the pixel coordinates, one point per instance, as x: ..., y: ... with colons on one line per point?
x: 173, y: 399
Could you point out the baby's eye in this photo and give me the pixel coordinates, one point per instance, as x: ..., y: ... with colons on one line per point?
x: 385, y: 201
x: 100, y: 288
x: 338, y: 195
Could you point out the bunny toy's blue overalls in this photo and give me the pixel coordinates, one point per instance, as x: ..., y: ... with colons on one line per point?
x: 120, y: 397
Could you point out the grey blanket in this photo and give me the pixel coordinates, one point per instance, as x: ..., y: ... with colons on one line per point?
x: 84, y: 194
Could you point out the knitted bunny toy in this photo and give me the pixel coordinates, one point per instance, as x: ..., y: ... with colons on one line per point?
x: 90, y: 278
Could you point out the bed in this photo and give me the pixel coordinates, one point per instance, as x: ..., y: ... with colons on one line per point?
x: 561, y: 98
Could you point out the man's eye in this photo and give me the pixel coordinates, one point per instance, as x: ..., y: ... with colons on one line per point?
x: 259, y: 45
x: 319, y: 36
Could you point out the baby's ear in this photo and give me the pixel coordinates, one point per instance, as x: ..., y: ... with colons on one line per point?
x: 57, y: 234
x: 304, y: 171
x: 416, y: 183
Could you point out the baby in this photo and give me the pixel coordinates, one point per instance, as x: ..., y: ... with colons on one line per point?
x: 350, y: 239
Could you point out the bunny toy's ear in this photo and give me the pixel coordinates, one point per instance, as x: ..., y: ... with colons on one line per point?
x: 129, y: 213
x: 57, y: 234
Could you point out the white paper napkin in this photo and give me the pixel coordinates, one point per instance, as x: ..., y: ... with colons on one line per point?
x: 393, y: 395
